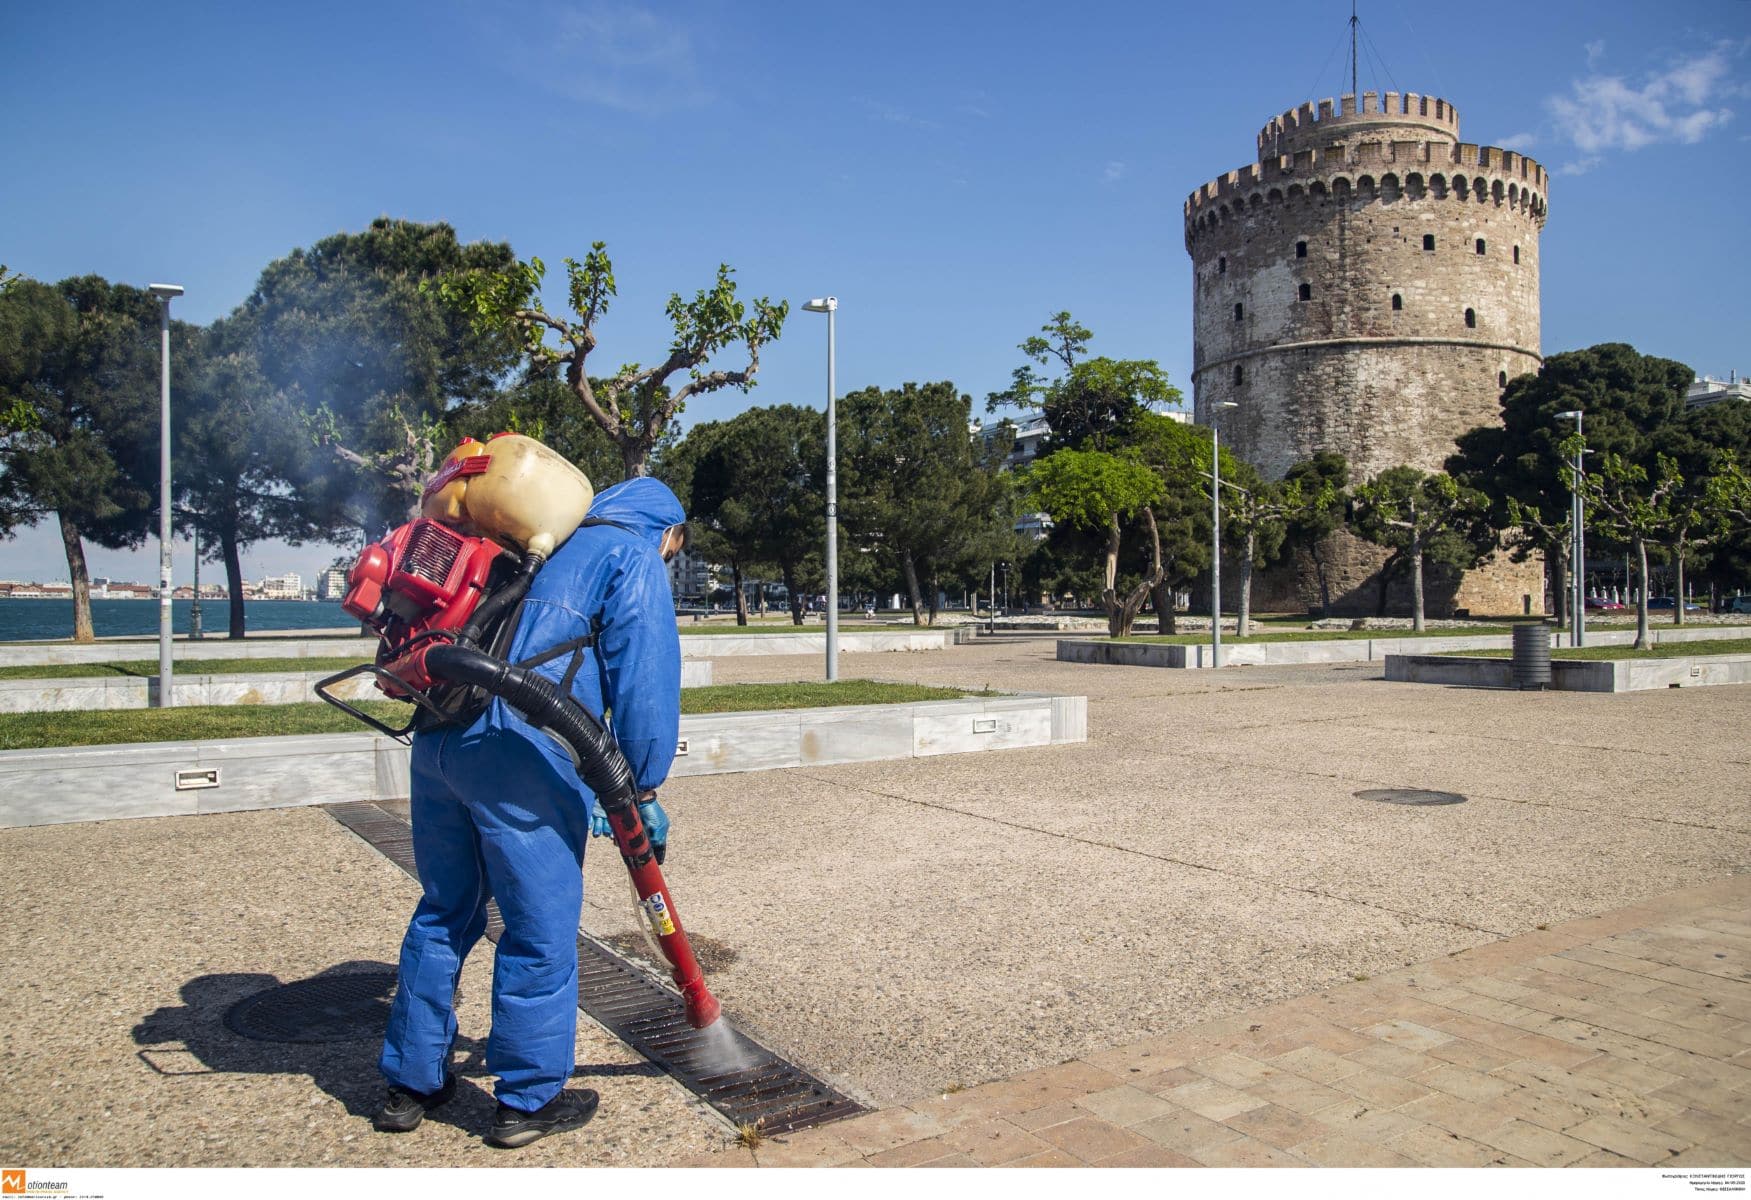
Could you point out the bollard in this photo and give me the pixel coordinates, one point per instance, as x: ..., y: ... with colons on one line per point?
x: 1531, y: 655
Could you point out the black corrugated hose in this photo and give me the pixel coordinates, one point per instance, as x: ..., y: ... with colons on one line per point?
x: 599, y: 762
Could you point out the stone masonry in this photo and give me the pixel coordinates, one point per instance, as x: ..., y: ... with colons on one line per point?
x: 1368, y: 286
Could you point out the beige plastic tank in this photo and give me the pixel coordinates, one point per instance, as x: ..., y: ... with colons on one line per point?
x: 526, y: 496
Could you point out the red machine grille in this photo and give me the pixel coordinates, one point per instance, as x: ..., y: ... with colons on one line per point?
x: 431, y: 551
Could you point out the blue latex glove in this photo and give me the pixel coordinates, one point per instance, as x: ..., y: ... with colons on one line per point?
x: 656, y: 824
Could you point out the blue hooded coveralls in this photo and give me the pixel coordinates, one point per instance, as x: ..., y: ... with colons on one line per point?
x: 500, y: 813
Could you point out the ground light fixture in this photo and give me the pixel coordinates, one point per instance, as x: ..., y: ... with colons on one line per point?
x: 830, y: 306
x: 1577, y: 540
x: 1215, y: 533
x: 166, y: 292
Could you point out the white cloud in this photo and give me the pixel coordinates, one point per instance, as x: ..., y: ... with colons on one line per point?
x: 1520, y: 141
x: 1114, y: 172
x: 616, y: 55
x: 1678, y: 105
x: 879, y: 110
x: 1595, y: 51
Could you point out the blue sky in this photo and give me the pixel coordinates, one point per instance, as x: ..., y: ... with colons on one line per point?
x: 954, y: 173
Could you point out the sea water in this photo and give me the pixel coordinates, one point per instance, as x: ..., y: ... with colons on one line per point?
x: 44, y: 619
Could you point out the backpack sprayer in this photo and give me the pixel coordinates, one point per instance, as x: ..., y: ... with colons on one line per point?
x: 438, y: 591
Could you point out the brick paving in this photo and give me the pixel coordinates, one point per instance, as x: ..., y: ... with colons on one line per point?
x: 1617, y: 1040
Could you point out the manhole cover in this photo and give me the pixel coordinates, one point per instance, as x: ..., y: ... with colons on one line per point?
x: 1409, y: 796
x: 329, y: 1008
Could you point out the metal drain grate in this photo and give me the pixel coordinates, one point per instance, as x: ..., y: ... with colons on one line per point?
x: 728, y: 1070
x: 1419, y: 796
x: 328, y: 1008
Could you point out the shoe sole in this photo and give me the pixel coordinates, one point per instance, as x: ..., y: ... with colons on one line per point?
x: 534, y: 1133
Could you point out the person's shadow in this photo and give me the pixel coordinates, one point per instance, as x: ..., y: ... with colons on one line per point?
x: 194, y: 1038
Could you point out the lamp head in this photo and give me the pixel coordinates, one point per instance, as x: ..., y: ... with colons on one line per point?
x: 824, y: 304
x: 1225, y: 404
x: 165, y: 291
x: 1574, y: 414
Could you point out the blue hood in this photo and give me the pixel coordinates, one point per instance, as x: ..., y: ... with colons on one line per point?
x: 642, y: 504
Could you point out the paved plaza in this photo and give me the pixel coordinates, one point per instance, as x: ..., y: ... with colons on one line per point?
x: 1185, y: 941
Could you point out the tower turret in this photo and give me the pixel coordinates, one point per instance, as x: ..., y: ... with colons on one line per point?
x: 1368, y: 286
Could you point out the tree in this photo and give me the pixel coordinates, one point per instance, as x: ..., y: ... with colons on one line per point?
x: 757, y: 484
x: 372, y: 361
x: 1063, y: 340
x: 1420, y: 517
x: 1179, y: 455
x: 542, y: 407
x: 1634, y: 507
x: 1102, y: 493
x: 1093, y: 403
x: 1324, y: 480
x: 1256, y: 515
x: 78, y: 417
x: 918, y: 492
x: 635, y: 405
x: 1626, y: 397
x: 238, y: 442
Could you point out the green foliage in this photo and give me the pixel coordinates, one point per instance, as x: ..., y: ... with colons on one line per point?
x: 1091, y: 489
x: 79, y: 437
x: 635, y: 406
x: 755, y: 486
x: 920, y: 499
x: 354, y: 339
x: 1422, y: 517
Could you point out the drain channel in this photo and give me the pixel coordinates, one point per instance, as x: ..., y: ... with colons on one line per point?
x: 641, y: 1011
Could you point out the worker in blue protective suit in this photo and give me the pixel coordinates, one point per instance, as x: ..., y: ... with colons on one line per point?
x: 500, y: 813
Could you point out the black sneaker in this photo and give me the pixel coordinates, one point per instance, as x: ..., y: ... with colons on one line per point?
x: 571, y: 1109
x: 403, y: 1111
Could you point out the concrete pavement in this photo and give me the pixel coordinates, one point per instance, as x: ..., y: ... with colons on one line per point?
x: 915, y: 929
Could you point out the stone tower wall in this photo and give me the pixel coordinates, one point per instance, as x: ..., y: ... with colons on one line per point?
x: 1323, y: 311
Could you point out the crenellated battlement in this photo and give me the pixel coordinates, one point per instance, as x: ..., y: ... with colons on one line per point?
x: 1315, y: 127
x: 1391, y: 169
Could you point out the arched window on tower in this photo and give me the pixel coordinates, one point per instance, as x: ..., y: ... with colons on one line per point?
x: 1428, y: 241
x: 1306, y: 292
x: 1237, y: 311
x: 1397, y: 302
x: 1221, y: 264
x: 1516, y: 256
x: 1300, y: 249
x: 1501, y: 379
x: 1239, y: 376
x: 1480, y: 246
x: 1471, y: 318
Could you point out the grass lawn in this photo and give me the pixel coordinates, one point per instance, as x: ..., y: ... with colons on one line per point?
x: 29, y: 731
x: 1609, y: 653
x: 146, y: 668
x: 1312, y: 635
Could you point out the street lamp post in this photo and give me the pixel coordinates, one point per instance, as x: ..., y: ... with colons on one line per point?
x: 830, y: 305
x: 1577, y: 539
x: 165, y: 292
x: 1215, y: 533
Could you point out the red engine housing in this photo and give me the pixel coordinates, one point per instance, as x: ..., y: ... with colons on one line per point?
x: 424, y: 578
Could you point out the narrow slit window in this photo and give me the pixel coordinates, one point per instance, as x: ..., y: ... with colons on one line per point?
x: 1237, y: 312
x: 1397, y: 302
x: 1222, y: 264
x: 1516, y: 256
x: 1239, y: 376
x: 1480, y: 246
x: 1428, y: 241
x: 1306, y: 292
x: 1501, y: 379
x: 1300, y: 249
x: 1471, y: 318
